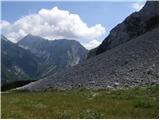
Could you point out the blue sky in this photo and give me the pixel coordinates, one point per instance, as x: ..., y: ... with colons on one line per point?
x: 108, y: 14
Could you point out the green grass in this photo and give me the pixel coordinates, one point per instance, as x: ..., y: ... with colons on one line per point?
x: 130, y: 103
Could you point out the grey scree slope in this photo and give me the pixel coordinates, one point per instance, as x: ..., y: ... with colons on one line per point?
x: 134, y: 63
x: 134, y: 25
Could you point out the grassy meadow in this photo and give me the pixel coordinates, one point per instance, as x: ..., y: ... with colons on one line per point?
x: 126, y: 103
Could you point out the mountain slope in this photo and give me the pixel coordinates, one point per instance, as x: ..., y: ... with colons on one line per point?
x: 134, y: 25
x: 133, y: 63
x: 34, y: 57
x: 55, y: 55
x: 17, y: 63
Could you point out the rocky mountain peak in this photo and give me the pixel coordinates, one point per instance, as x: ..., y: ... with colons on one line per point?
x: 134, y: 25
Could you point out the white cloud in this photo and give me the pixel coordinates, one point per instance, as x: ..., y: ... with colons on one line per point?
x: 138, y: 5
x: 4, y: 24
x: 91, y: 44
x: 52, y: 24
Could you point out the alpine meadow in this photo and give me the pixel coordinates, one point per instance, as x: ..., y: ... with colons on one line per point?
x: 80, y: 59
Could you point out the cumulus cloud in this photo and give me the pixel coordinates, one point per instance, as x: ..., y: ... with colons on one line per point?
x: 137, y: 6
x: 4, y: 24
x: 91, y: 44
x: 52, y: 24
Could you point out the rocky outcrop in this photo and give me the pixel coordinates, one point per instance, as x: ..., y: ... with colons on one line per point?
x: 134, y: 25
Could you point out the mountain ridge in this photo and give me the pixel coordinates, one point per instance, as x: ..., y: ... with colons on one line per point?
x: 132, y: 71
x: 130, y: 63
x: 14, y: 60
x: 58, y: 54
x: 13, y: 53
x: 134, y: 25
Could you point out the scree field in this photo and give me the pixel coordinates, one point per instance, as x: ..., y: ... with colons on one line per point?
x: 127, y: 103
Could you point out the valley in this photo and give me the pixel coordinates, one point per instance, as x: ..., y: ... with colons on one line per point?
x: 33, y: 58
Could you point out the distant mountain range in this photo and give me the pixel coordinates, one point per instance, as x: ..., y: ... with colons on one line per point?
x: 33, y: 57
x: 128, y: 57
x: 54, y: 55
x: 17, y: 63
